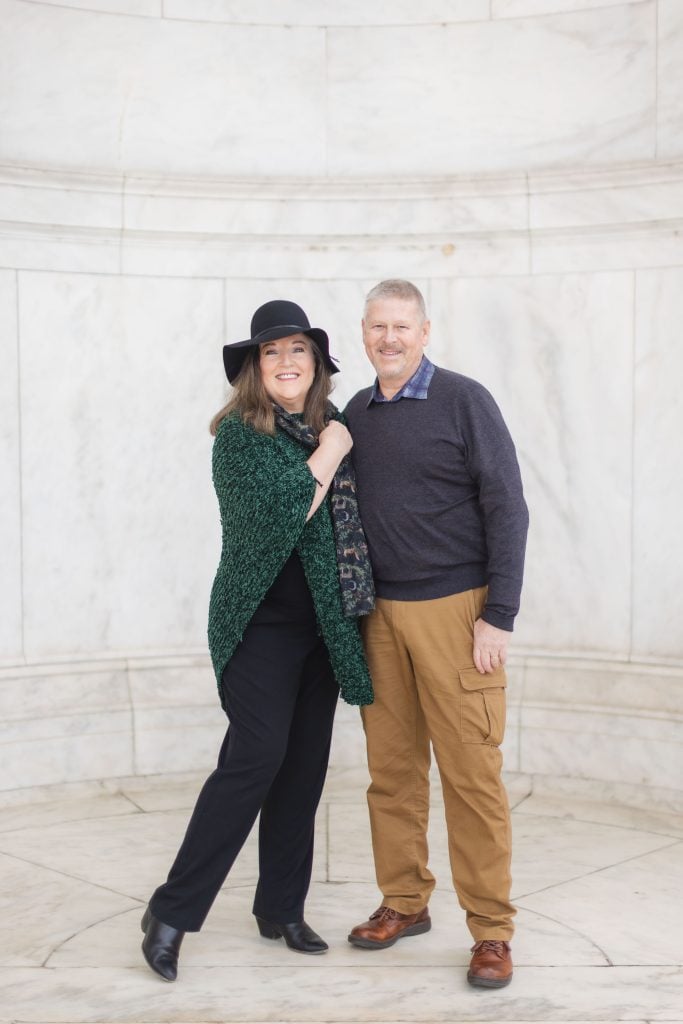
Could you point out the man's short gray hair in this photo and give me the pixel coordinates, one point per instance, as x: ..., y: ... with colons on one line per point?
x: 396, y: 288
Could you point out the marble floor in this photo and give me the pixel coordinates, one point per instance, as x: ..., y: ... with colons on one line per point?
x: 598, y: 889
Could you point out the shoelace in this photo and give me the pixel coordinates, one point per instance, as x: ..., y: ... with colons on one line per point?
x: 497, y: 946
x: 384, y: 912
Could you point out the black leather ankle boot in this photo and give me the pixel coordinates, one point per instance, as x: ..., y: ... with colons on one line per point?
x: 161, y: 946
x: 298, y: 936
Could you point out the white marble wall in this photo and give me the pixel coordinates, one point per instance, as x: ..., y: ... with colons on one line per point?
x: 317, y: 88
x: 10, y: 503
x: 166, y: 167
x: 116, y: 388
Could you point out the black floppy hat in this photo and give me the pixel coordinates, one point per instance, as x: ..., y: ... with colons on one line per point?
x: 273, y: 320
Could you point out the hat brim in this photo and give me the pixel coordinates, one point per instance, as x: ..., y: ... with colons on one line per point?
x: 235, y: 354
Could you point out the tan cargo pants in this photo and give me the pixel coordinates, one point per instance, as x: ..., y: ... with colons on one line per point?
x: 427, y: 688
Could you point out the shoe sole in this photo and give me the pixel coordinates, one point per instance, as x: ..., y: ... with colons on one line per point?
x: 414, y: 929
x: 268, y: 931
x: 306, y: 952
x: 488, y: 982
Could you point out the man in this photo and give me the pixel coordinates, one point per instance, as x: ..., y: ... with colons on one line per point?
x: 441, y: 500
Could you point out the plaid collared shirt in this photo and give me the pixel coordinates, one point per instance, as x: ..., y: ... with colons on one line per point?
x: 416, y: 387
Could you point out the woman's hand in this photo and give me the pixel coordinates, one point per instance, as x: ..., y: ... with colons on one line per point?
x: 336, y: 435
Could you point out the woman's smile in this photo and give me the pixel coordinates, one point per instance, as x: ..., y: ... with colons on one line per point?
x: 287, y: 370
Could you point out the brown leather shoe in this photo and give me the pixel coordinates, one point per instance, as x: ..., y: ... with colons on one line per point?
x: 386, y: 926
x: 491, y: 965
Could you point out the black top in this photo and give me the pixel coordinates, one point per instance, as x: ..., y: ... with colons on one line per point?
x: 289, y: 598
x: 440, y: 495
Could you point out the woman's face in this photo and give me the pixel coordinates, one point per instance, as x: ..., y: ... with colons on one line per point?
x: 287, y: 370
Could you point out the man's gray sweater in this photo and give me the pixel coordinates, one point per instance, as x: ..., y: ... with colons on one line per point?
x: 440, y: 495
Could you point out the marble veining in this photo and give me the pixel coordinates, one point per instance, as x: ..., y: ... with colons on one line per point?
x: 73, y: 886
x: 597, y: 65
x: 136, y: 94
x: 658, y: 447
x: 121, y: 469
x: 627, y: 248
x: 542, y: 8
x: 609, y: 204
x: 150, y: 197
x: 669, y: 79
x: 134, y: 8
x: 10, y: 442
x: 566, y: 340
x: 328, y: 12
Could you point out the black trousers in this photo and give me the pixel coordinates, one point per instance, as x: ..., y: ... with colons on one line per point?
x: 280, y: 697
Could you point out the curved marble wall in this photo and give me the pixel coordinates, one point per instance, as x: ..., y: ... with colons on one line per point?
x: 166, y: 166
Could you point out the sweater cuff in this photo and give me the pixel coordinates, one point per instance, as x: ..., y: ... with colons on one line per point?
x: 497, y: 619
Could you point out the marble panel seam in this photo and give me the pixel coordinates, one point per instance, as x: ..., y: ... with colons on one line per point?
x: 65, y: 716
x: 98, y: 11
x: 612, y: 825
x: 610, y: 229
x: 134, y: 803
x: 92, y: 924
x: 632, y: 465
x: 626, y: 794
x: 563, y: 924
x: 68, y: 233
x: 517, y: 803
x: 133, y: 722
x: 20, y: 455
x: 329, y: 240
x: 596, y: 661
x: 66, y: 874
x: 596, y: 871
x: 586, y: 820
x: 332, y: 24
x: 63, y: 232
x: 602, y: 710
x: 551, y: 180
x: 530, y: 250
x: 657, y: 118
x: 135, y: 810
x: 94, y: 664
x: 520, y: 254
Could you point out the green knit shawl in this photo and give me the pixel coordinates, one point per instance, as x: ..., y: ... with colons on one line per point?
x: 265, y: 490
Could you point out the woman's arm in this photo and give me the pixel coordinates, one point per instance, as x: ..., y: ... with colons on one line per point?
x: 333, y: 444
x: 261, y: 492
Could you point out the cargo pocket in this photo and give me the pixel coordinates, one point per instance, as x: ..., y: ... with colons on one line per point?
x: 483, y: 706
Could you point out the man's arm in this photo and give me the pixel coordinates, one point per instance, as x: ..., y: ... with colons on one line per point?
x: 492, y: 462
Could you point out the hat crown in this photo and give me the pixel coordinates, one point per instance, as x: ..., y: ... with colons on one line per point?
x: 278, y: 313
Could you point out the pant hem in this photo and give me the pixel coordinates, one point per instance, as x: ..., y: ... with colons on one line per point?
x: 400, y: 906
x: 281, y: 917
x: 167, y: 919
x: 493, y: 934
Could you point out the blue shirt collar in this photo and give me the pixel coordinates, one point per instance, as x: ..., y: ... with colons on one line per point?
x: 416, y: 387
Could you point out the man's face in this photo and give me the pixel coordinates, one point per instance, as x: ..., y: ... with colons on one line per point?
x: 394, y: 335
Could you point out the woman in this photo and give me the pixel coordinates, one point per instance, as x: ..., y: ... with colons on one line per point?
x: 293, y: 577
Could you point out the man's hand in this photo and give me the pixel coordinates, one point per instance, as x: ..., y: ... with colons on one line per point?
x: 490, y: 646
